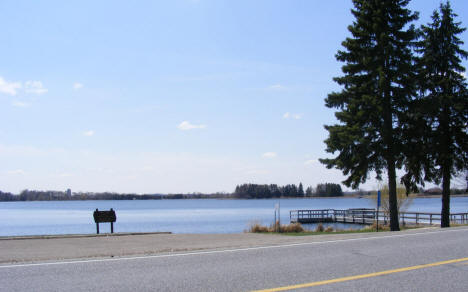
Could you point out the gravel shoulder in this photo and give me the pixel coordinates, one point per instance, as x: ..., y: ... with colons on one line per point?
x: 56, y: 248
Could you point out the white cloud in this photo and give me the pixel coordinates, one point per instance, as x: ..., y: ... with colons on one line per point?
x: 9, y: 88
x: 256, y: 172
x: 311, y: 161
x: 64, y: 174
x: 288, y: 115
x: 186, y: 125
x: 35, y: 87
x: 88, y: 133
x: 18, y: 103
x: 463, y: 74
x: 276, y: 87
x: 77, y: 85
x: 269, y: 154
x: 16, y: 172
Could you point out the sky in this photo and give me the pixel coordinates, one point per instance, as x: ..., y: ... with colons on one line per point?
x: 170, y: 96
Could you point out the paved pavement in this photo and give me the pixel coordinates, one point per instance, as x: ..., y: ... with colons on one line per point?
x: 283, y: 262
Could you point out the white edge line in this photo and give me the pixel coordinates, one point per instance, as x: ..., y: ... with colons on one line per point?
x: 220, y: 251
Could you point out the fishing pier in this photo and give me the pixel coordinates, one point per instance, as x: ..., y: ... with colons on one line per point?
x: 369, y: 216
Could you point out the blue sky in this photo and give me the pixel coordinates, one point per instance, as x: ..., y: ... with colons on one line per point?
x: 169, y: 96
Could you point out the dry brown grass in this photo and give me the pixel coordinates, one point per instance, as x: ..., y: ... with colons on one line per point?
x: 373, y: 227
x: 329, y: 229
x: 293, y: 227
x: 290, y: 228
x: 257, y: 228
x: 319, y: 228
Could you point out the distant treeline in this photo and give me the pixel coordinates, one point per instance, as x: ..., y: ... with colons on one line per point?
x: 31, y: 195
x: 256, y: 191
x: 244, y: 191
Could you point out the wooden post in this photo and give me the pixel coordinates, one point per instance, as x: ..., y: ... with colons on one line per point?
x: 430, y: 219
x: 97, y: 228
x: 377, y: 217
x: 112, y: 227
x: 417, y: 218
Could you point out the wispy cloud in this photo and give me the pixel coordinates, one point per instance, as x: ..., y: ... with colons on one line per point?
x: 18, y: 103
x: 289, y: 115
x: 269, y: 155
x: 77, y: 85
x: 256, y: 172
x: 10, y: 88
x: 186, y: 125
x: 34, y: 87
x: 311, y: 161
x: 64, y: 174
x: 276, y: 87
x: 88, y: 133
x: 16, y: 172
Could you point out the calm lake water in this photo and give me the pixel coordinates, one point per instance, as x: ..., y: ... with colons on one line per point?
x: 177, y: 216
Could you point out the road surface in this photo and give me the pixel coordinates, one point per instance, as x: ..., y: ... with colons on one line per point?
x: 419, y: 260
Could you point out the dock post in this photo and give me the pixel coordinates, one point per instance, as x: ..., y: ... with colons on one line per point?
x: 112, y: 227
x: 97, y: 228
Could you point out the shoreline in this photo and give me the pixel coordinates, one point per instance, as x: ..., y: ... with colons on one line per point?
x: 247, y: 199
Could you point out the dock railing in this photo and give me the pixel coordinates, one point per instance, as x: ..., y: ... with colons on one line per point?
x: 369, y: 216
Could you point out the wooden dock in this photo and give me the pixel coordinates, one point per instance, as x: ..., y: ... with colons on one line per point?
x: 369, y: 216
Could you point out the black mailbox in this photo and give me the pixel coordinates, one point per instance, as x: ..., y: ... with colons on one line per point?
x: 103, y: 217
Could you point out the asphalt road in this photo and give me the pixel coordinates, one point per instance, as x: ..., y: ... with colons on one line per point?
x: 425, y: 260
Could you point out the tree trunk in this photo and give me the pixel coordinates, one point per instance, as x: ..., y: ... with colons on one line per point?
x: 392, y: 198
x: 445, y: 214
x: 445, y: 167
x: 390, y: 158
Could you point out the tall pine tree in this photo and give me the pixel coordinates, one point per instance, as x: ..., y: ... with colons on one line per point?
x: 377, y: 89
x: 300, y: 191
x: 445, y: 100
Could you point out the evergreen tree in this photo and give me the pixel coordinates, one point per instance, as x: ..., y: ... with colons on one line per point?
x: 300, y: 191
x: 445, y: 100
x: 377, y: 88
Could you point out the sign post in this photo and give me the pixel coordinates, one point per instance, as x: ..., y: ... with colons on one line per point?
x: 378, y: 205
x: 276, y: 216
x: 278, y: 221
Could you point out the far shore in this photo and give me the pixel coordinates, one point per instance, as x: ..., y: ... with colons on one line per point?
x: 346, y: 196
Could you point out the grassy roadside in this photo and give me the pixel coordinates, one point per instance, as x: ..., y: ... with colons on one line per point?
x: 370, y: 229
x: 296, y: 229
x: 364, y: 230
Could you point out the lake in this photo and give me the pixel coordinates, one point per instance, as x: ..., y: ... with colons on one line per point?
x: 177, y: 216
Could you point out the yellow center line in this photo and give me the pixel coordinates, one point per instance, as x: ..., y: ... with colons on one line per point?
x: 357, y: 277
